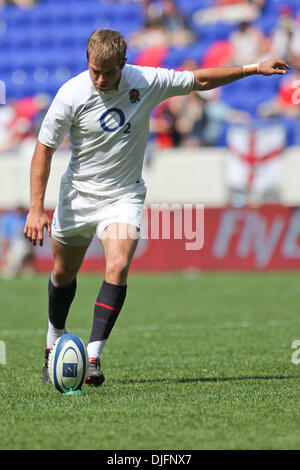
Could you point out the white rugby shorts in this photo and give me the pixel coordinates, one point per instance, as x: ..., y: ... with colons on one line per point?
x: 79, y: 216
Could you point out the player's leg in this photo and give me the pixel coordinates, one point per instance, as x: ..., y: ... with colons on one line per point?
x: 119, y: 241
x: 61, y: 291
x: 62, y: 285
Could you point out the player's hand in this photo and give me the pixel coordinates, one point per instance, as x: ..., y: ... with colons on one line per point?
x: 34, y: 227
x: 273, y: 66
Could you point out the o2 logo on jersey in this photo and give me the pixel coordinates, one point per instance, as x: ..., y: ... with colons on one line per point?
x: 119, y: 122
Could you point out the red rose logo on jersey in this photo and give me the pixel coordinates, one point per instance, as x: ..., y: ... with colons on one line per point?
x: 134, y: 95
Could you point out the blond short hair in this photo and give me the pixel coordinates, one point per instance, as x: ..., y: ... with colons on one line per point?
x: 105, y: 45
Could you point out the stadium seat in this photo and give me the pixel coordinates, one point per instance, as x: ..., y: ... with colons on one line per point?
x: 175, y: 57
x: 16, y: 16
x: 215, y: 32
x: 267, y: 24
x: 178, y: 55
x: 189, y: 7
x: 44, y: 46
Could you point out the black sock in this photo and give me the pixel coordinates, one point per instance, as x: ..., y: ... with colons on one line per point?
x: 107, y: 308
x: 60, y: 299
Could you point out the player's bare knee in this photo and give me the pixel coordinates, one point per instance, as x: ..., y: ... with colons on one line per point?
x: 62, y: 274
x: 117, y: 269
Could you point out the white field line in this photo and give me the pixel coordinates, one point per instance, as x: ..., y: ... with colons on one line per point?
x: 158, y: 327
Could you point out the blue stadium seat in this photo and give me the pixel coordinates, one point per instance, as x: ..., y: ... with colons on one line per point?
x: 175, y: 57
x: 249, y: 93
x: 42, y: 47
x: 190, y: 6
x: 178, y: 55
x: 131, y: 55
x: 215, y: 32
x: 5, y: 44
x: 128, y: 11
x: 293, y: 4
x: 267, y: 24
x: 16, y: 16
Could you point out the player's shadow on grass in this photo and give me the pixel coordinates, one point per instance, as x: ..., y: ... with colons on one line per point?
x: 206, y: 379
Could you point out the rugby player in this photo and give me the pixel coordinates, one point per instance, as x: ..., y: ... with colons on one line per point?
x: 106, y: 111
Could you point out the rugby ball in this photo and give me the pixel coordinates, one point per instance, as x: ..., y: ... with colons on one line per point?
x: 68, y: 363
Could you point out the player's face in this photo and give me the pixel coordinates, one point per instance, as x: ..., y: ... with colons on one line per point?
x: 105, y: 77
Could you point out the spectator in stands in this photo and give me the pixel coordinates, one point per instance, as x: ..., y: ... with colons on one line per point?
x: 165, y: 26
x: 232, y: 11
x: 23, y: 3
x: 295, y: 39
x: 283, y: 34
x: 248, y: 43
x: 17, y: 252
x: 197, y: 120
x: 179, y: 122
x: 218, y: 54
x: 153, y: 33
x: 25, y: 118
x: 162, y: 125
x: 217, y: 115
x: 287, y: 101
x: 190, y: 120
x: 7, y: 114
x: 176, y: 24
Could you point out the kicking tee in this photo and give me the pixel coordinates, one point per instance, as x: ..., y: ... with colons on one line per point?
x: 109, y: 130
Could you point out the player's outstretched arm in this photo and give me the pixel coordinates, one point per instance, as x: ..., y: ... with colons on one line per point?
x: 37, y: 218
x: 206, y: 79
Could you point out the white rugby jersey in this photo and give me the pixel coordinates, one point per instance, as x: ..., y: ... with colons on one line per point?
x: 109, y: 130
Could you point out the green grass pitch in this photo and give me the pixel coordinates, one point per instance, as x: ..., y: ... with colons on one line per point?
x: 198, y: 361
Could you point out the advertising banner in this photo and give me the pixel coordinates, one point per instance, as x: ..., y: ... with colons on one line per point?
x: 191, y: 237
